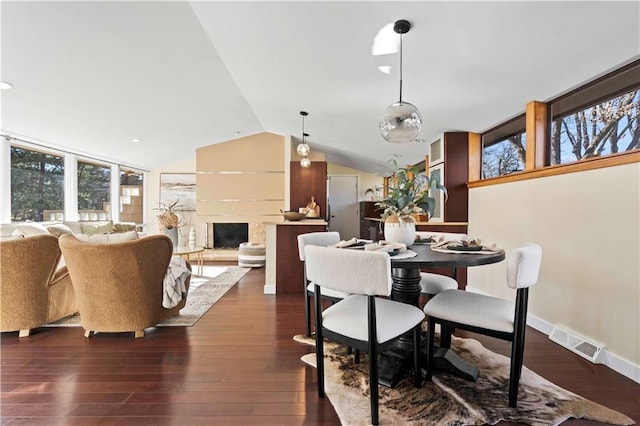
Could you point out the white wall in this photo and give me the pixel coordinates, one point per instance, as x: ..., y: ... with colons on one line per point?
x: 588, y: 224
x: 365, y: 180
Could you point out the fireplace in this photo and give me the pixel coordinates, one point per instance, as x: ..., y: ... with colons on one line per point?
x: 227, y: 235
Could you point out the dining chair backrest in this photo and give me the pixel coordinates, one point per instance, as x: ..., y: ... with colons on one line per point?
x: 322, y: 239
x: 448, y: 236
x: 523, y: 266
x: 351, y: 271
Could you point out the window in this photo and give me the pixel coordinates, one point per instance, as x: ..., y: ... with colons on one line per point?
x: 131, y: 196
x: 504, y: 148
x: 94, y: 183
x: 37, y: 185
x: 600, y: 118
x: 604, y: 128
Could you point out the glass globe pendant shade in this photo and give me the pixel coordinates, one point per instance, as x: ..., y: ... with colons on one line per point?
x: 305, y: 162
x: 401, y: 122
x: 303, y: 149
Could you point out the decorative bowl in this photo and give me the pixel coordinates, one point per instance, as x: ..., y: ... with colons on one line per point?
x: 292, y: 215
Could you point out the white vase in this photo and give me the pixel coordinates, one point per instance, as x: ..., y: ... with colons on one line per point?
x: 192, y: 237
x: 403, y: 231
x: 173, y: 234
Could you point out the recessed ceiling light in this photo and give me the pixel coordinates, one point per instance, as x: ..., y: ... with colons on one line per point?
x: 5, y: 85
x: 386, y: 69
x: 136, y: 140
x: 236, y: 133
x: 419, y: 140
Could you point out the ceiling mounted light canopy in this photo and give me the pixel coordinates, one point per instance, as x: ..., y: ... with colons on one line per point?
x: 303, y: 148
x: 401, y: 122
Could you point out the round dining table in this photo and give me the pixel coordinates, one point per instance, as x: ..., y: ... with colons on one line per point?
x: 405, y: 273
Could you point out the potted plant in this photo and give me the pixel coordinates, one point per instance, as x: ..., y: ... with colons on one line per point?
x: 407, y: 196
x: 170, y: 218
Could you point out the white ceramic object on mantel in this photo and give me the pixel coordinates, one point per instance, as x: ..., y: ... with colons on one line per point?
x: 402, y: 232
x: 192, y: 237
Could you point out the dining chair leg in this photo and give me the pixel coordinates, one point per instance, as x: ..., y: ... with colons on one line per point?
x: 417, y: 335
x: 430, y: 348
x: 373, y: 381
x: 445, y: 336
x: 319, y: 344
x: 307, y: 312
x: 356, y: 356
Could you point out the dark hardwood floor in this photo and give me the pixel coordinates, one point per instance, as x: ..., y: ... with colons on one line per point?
x: 237, y: 366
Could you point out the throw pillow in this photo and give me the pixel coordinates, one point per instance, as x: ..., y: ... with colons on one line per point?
x: 97, y: 228
x: 6, y: 229
x: 32, y: 228
x: 59, y: 229
x: 108, y: 238
x: 124, y: 226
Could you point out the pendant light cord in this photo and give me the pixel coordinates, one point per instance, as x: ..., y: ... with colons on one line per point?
x: 401, y: 37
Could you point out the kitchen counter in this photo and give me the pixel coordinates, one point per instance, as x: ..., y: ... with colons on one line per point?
x: 284, y: 272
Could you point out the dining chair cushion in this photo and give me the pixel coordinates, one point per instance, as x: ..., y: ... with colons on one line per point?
x: 435, y: 283
x: 327, y: 292
x: 393, y: 318
x: 523, y: 266
x: 472, y: 309
x: 322, y: 239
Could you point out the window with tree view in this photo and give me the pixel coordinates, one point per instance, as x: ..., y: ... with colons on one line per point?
x: 37, y: 185
x: 94, y: 183
x: 504, y: 156
x: 600, y: 129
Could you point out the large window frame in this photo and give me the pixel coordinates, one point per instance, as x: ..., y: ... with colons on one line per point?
x: 539, y: 116
x: 70, y: 177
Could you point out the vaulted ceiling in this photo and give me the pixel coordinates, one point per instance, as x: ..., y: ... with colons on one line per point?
x: 91, y: 76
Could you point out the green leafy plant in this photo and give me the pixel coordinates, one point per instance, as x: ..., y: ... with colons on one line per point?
x: 408, y: 193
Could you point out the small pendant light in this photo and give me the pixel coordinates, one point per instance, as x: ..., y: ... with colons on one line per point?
x: 303, y: 148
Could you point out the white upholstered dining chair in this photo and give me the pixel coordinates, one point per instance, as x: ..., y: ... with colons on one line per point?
x: 322, y: 239
x: 432, y: 283
x: 489, y: 315
x: 362, y: 320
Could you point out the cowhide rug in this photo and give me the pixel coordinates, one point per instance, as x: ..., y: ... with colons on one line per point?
x: 449, y: 400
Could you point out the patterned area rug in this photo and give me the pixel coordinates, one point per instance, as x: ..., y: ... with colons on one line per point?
x: 452, y: 401
x: 204, y: 292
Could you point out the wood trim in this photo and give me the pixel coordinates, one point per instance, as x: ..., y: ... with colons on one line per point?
x: 475, y: 156
x: 582, y: 166
x: 536, y: 129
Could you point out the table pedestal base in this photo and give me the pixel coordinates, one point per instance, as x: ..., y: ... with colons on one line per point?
x: 450, y: 362
x: 395, y: 363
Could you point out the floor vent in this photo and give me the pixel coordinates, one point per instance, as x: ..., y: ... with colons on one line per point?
x: 577, y: 344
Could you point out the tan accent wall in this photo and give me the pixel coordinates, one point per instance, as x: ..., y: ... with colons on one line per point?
x: 588, y: 226
x: 242, y: 180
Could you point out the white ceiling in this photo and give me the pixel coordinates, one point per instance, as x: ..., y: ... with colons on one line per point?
x: 91, y: 76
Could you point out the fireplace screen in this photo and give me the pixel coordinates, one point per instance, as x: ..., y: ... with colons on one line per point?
x: 230, y: 235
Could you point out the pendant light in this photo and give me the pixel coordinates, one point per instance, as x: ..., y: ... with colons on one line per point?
x: 303, y: 148
x: 401, y: 122
x: 305, y: 162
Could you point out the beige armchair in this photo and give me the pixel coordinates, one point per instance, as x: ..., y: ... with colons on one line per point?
x: 32, y: 291
x: 119, y: 286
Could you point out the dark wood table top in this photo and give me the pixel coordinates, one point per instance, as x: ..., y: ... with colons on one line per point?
x: 429, y: 258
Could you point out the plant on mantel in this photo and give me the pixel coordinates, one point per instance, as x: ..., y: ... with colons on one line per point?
x: 408, y: 195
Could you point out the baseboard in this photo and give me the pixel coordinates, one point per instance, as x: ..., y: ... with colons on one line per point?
x: 269, y: 289
x: 609, y: 359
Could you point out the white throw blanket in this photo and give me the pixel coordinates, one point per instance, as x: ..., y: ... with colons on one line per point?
x: 175, y: 282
